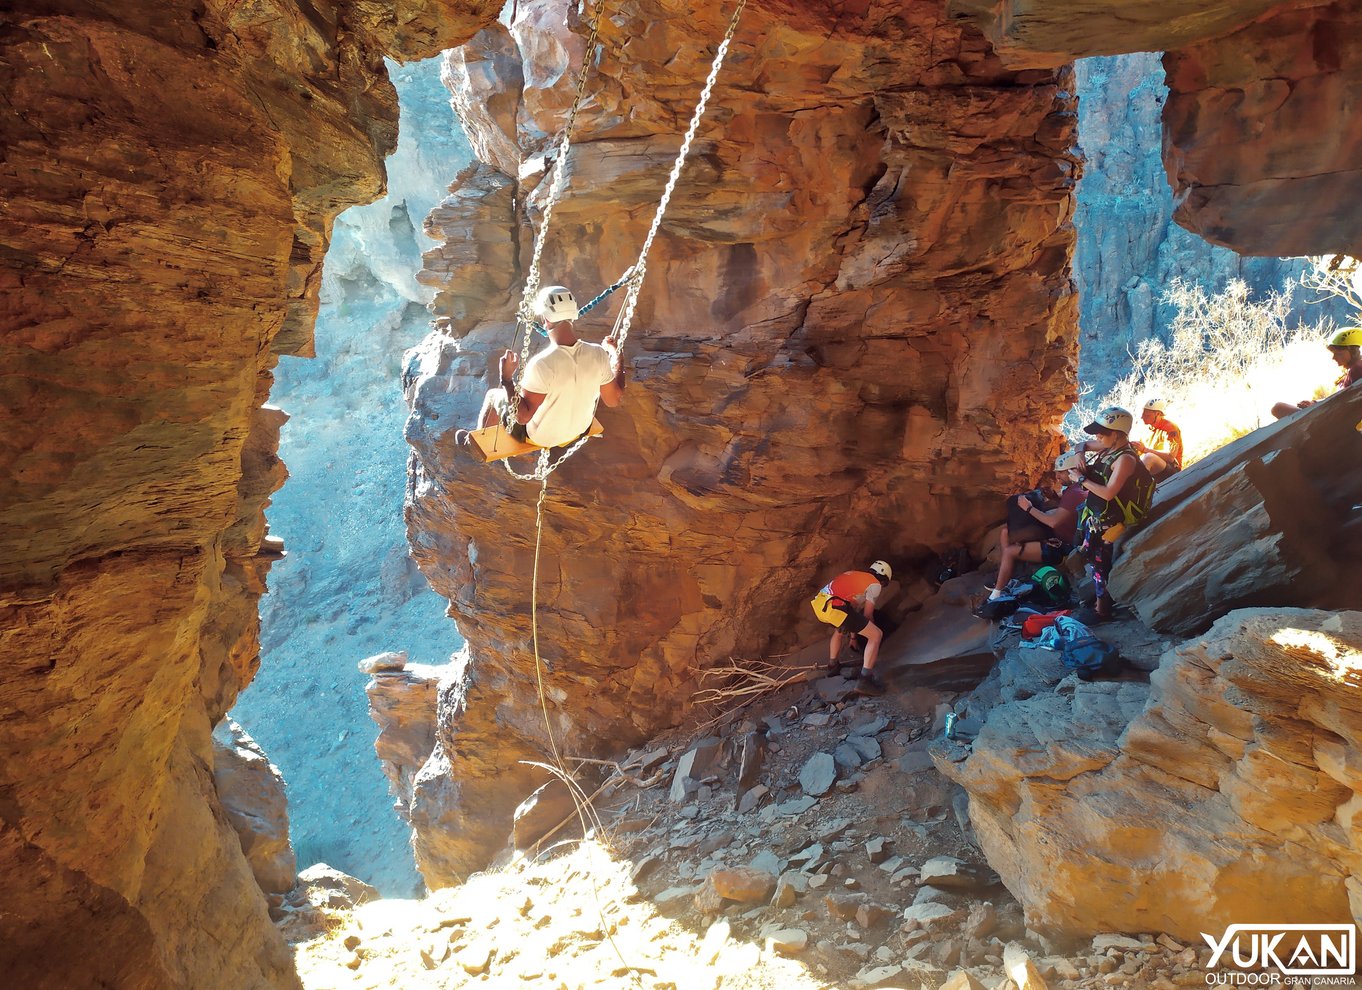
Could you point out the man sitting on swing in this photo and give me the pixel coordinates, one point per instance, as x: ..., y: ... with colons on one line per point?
x: 561, y: 384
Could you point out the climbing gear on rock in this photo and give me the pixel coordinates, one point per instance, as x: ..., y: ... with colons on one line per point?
x: 1050, y: 586
x: 882, y: 569
x: 1070, y: 460
x: 1082, y: 652
x: 1347, y: 337
x: 556, y: 303
x: 1111, y: 418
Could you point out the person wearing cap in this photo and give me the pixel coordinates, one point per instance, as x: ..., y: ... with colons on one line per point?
x: 1061, y: 518
x: 847, y: 603
x: 1345, y: 347
x: 561, y: 384
x: 1164, y: 457
x: 1119, y: 492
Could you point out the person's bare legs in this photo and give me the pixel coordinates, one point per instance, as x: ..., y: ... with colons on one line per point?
x: 1029, y: 552
x: 835, y: 647
x: 873, y: 635
x: 1155, y: 464
x: 1284, y: 409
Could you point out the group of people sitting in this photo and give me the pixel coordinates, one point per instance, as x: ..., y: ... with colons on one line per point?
x: 1110, y: 486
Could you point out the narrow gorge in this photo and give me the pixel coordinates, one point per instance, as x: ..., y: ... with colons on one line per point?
x: 859, y: 331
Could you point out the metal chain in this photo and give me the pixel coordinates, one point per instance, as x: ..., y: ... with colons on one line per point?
x: 641, y: 266
x: 525, y: 315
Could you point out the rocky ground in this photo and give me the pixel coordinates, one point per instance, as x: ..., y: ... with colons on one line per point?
x: 806, y: 841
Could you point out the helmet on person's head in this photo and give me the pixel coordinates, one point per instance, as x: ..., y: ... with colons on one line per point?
x: 555, y: 303
x: 1156, y: 405
x: 1111, y: 418
x: 883, y: 571
x: 1070, y: 460
x: 1347, y: 337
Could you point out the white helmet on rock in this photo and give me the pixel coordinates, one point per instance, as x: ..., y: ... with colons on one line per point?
x: 882, y: 570
x: 555, y: 303
x: 1070, y: 460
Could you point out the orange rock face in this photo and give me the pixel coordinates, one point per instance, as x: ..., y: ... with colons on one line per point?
x: 168, y: 182
x: 1260, y: 138
x: 857, y: 326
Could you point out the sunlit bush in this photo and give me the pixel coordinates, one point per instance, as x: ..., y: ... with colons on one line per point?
x: 1228, y: 359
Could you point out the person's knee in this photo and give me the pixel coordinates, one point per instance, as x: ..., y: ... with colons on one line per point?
x: 872, y: 632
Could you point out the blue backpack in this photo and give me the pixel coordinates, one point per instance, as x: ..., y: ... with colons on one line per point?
x: 1083, y: 653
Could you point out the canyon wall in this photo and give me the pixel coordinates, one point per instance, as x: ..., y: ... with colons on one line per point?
x: 168, y: 187
x: 1261, y: 146
x: 1129, y: 248
x: 856, y: 334
x: 348, y: 588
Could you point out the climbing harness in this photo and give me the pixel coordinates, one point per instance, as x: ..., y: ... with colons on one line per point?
x: 632, y: 278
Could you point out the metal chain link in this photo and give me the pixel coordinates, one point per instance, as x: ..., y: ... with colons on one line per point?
x: 525, y: 314
x: 641, y: 266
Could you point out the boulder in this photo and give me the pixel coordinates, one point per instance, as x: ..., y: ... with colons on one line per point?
x: 694, y: 764
x: 549, y: 805
x: 744, y: 884
x: 1184, y: 792
x: 950, y: 873
x: 402, y: 703
x: 818, y: 774
x: 1267, y: 519
x: 943, y: 644
x: 251, y: 790
x: 327, y: 886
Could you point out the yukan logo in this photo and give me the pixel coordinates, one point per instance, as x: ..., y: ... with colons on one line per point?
x: 1290, y: 950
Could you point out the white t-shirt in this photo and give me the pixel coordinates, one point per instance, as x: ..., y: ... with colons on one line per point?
x: 570, y: 379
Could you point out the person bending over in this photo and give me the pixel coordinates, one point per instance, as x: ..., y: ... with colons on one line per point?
x: 847, y: 603
x: 561, y: 384
x: 1060, y: 518
x: 1345, y: 347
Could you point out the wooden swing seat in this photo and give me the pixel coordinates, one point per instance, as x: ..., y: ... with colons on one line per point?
x: 493, y: 443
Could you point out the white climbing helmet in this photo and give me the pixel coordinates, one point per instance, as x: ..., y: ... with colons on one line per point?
x: 1111, y: 418
x: 1070, y: 460
x: 881, y: 569
x: 555, y: 303
x: 1156, y: 405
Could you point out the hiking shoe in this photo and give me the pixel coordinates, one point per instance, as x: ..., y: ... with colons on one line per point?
x: 870, y: 685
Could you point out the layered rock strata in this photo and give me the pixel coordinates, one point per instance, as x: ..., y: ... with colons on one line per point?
x: 1227, y: 788
x: 857, y: 327
x: 1269, y: 519
x: 168, y: 185
x: 1260, y: 143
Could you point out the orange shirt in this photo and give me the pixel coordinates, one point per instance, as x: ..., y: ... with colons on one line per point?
x: 854, y: 587
x: 1163, y: 432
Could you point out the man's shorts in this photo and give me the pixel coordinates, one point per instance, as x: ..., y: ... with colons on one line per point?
x: 1054, y: 553
x: 855, y: 620
x: 1173, y: 467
